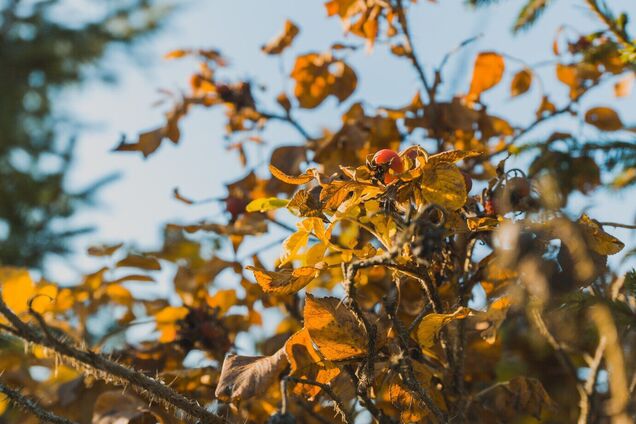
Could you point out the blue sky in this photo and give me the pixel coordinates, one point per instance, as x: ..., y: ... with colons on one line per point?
x: 134, y: 208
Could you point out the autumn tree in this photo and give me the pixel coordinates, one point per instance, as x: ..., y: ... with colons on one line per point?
x: 424, y: 276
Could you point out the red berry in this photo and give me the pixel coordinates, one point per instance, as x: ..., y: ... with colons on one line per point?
x: 389, y: 159
x: 468, y: 181
x: 235, y: 206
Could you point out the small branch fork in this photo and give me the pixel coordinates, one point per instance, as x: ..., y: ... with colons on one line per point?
x: 32, y: 406
x: 106, y: 368
x: 337, y: 402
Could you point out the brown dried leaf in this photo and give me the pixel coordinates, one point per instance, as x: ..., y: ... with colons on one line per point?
x: 286, y: 281
x: 283, y: 40
x: 243, y: 377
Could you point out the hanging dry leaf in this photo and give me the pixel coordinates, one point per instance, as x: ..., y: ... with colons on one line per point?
x: 282, y: 41
x: 243, y: 377
x: 597, y: 239
x: 286, y: 281
x: 487, y: 72
x: 521, y: 82
x: 604, y: 119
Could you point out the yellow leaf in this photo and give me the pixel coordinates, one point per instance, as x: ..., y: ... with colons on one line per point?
x: 119, y: 294
x: 431, y: 325
x: 17, y: 288
x: 319, y: 75
x: 282, y: 41
x: 223, y: 299
x: 444, y: 184
x: 597, y: 239
x: 483, y: 223
x: 171, y: 314
x: 451, y: 156
x: 487, y: 72
x: 267, y: 204
x: 521, y: 82
x: 299, y: 180
x: 604, y: 118
x: 286, y: 281
x: 333, y: 328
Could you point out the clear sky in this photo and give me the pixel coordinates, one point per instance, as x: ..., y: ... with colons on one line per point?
x: 134, y: 208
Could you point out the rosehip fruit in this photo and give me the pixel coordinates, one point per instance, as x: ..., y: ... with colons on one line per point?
x: 235, y: 206
x: 385, y: 159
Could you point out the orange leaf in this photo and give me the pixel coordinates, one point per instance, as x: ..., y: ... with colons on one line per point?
x: 487, y: 72
x: 282, y: 41
x: 286, y: 281
x: 333, y: 328
x: 604, y: 118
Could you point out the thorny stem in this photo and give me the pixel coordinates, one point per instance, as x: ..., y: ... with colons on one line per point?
x: 338, y: 404
x: 365, y: 400
x: 33, y: 407
x: 406, y: 366
x: 146, y: 386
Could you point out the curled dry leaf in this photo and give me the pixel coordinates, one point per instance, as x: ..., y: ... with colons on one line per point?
x: 282, y: 41
x: 333, y: 328
x: 286, y: 281
x: 304, y: 178
x: 243, y: 377
x: 597, y: 239
x: 141, y: 262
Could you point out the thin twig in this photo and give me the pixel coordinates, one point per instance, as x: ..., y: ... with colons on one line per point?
x: 410, y: 51
x: 290, y: 120
x: 338, y: 404
x: 587, y: 391
x: 617, y: 224
x: 33, y: 407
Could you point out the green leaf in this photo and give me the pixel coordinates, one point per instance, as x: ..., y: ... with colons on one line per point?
x: 266, y: 204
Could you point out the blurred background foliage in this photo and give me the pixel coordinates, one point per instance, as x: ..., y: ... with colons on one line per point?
x: 45, y: 47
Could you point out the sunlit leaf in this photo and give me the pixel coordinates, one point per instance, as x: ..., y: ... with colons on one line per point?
x: 282, y: 41
x: 487, y: 72
x: 604, y: 118
x: 333, y: 328
x: 286, y: 281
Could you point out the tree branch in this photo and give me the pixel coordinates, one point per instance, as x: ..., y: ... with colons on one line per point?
x: 338, y: 405
x: 33, y: 407
x: 108, y: 370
